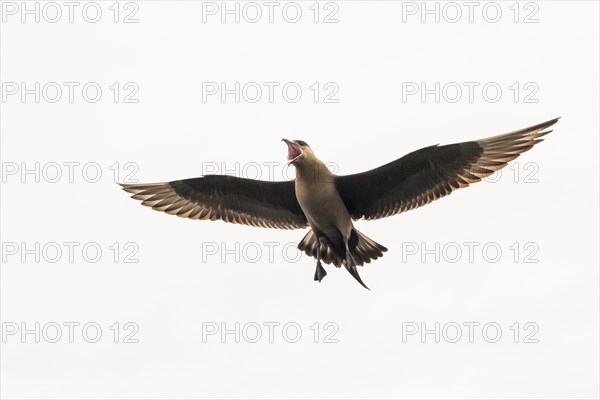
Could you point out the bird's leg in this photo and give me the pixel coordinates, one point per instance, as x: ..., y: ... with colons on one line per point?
x: 351, y: 266
x: 320, y: 271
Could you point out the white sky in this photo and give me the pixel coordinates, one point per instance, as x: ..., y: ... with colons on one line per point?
x: 370, y: 55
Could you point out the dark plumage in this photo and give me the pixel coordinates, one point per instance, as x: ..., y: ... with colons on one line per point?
x: 231, y: 199
x: 328, y: 203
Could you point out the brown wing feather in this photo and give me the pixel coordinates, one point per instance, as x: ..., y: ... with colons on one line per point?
x: 432, y: 172
x: 231, y: 199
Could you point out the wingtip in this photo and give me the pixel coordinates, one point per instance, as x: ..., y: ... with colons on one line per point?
x: 539, y: 129
x: 550, y: 122
x: 125, y: 187
x: 546, y: 125
x: 128, y: 187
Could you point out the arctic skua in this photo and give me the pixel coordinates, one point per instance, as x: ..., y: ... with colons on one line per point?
x: 329, y: 203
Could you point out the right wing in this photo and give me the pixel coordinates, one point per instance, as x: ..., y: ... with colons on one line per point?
x: 433, y: 172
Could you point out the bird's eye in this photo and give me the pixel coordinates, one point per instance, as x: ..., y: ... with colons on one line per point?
x: 302, y: 143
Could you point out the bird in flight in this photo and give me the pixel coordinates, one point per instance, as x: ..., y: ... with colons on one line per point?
x: 328, y: 203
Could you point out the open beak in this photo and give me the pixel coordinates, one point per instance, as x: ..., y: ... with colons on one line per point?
x: 294, y: 151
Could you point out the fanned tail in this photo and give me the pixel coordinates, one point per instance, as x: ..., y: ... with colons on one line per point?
x: 363, y: 249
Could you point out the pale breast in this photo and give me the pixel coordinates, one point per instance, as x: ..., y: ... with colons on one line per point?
x: 322, y: 205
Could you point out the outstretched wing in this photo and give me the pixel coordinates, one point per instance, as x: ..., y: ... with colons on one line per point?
x: 231, y: 199
x: 431, y: 173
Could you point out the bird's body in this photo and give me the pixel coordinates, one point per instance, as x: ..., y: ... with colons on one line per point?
x: 329, y: 203
x: 322, y: 205
x: 327, y: 215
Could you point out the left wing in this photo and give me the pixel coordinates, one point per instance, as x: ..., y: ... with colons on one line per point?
x: 228, y: 198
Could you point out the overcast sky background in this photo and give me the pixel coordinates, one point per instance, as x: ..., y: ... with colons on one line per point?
x: 185, y: 283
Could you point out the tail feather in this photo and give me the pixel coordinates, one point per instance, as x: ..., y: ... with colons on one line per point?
x: 366, y: 249
x: 309, y: 245
x: 363, y: 249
